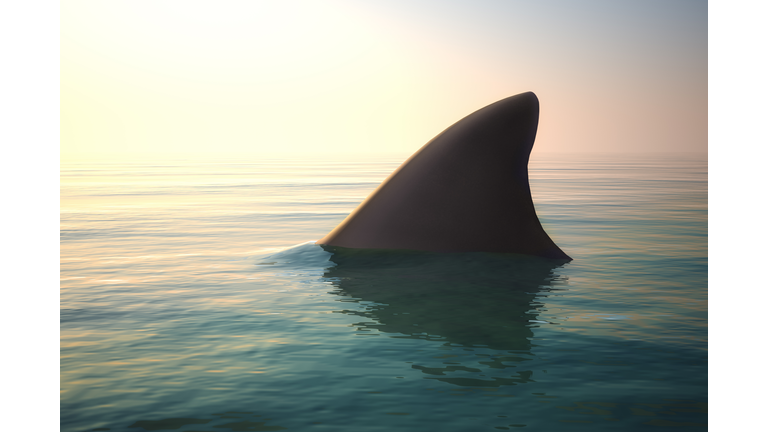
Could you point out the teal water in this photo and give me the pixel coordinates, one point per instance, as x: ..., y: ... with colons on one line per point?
x: 193, y: 299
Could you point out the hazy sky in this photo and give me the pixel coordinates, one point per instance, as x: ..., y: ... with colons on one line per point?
x: 222, y: 79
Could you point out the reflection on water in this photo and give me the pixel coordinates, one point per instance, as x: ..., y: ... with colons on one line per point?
x: 457, y: 299
x: 178, y: 313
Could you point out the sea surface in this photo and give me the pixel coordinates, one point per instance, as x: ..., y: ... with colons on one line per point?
x: 194, y: 299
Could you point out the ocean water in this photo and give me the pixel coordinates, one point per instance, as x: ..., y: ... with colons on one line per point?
x: 193, y: 299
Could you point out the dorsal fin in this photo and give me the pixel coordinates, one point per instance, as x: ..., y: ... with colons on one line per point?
x: 465, y: 190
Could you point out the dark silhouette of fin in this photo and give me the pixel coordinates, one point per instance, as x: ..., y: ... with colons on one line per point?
x: 465, y: 190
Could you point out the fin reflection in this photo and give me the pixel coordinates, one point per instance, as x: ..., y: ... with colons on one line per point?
x: 465, y: 300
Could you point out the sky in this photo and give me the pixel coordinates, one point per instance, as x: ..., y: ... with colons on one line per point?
x: 152, y: 80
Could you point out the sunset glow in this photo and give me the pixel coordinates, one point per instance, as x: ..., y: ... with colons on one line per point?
x: 149, y: 80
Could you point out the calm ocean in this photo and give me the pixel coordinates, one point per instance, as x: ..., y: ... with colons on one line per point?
x: 192, y: 299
